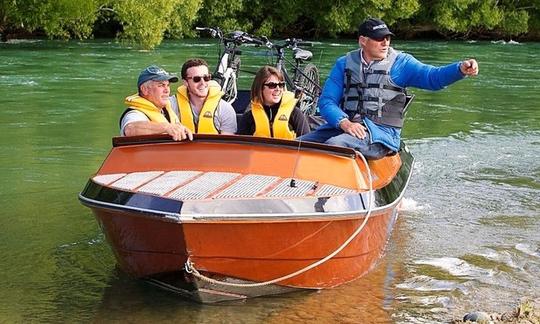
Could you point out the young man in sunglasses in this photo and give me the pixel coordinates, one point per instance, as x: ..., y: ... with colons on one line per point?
x: 364, y: 97
x: 199, y: 102
x: 149, y: 111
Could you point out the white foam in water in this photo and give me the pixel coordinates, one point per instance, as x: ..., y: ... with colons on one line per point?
x: 94, y: 55
x: 528, y: 249
x: 457, y: 267
x: 198, y: 45
x: 425, y: 283
x: 22, y: 41
x: 503, y: 257
x: 510, y: 42
x: 30, y: 83
x: 435, y: 300
x: 409, y: 204
x: 428, y: 301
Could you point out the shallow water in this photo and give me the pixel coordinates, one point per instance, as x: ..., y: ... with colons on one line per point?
x: 467, y: 238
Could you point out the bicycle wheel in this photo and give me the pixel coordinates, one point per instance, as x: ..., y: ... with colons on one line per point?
x: 309, y: 82
x: 231, y: 89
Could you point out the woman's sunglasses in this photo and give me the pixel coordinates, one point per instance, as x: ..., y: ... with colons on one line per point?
x: 273, y: 85
x: 198, y: 78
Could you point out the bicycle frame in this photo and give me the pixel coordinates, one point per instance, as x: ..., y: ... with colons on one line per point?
x: 226, y: 72
x: 305, y: 87
x: 281, y: 66
x: 229, y: 62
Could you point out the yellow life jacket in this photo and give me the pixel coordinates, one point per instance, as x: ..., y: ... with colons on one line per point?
x: 150, y: 110
x: 280, y: 126
x: 206, y: 116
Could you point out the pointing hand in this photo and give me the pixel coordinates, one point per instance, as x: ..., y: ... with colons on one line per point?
x: 469, y: 67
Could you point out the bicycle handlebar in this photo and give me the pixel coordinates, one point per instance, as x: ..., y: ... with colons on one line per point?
x: 243, y: 37
x: 214, y: 32
x: 256, y: 41
x: 292, y: 43
x: 237, y: 37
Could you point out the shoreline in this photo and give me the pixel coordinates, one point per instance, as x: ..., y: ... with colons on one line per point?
x: 526, y: 312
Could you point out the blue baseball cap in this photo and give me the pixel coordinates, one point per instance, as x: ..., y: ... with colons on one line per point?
x: 155, y: 73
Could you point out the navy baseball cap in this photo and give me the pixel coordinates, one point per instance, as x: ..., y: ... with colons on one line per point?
x: 374, y: 28
x: 155, y: 73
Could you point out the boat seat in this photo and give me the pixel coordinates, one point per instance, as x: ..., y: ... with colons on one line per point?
x: 242, y: 101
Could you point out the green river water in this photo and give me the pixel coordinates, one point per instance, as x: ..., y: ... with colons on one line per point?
x: 468, y: 237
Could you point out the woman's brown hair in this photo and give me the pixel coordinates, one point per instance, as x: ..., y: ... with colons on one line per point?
x: 260, y: 78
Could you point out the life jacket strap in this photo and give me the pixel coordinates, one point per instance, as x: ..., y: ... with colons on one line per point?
x: 376, y: 85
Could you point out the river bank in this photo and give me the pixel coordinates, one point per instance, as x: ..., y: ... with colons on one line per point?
x: 419, y: 33
x: 526, y: 312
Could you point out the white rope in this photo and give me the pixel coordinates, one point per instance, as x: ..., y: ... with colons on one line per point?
x: 190, y: 267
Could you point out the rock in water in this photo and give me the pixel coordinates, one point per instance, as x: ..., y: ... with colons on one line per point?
x: 478, y: 317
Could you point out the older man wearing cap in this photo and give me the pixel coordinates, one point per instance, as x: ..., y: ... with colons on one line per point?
x: 149, y: 111
x: 364, y: 97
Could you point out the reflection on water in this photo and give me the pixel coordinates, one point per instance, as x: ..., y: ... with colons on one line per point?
x: 368, y: 300
x: 467, y: 237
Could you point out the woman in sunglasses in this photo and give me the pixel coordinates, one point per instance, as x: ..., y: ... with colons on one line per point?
x: 272, y: 111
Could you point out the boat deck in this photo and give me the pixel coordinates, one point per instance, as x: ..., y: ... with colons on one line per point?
x: 198, y: 185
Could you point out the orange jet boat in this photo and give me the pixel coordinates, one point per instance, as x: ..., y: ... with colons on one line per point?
x: 231, y: 217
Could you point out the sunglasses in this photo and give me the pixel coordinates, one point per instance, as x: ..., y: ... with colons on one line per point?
x: 273, y: 85
x: 198, y: 78
x: 381, y: 39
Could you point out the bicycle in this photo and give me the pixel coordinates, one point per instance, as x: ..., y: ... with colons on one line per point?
x: 226, y: 73
x: 305, y: 79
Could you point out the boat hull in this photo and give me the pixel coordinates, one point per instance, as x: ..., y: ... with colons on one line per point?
x: 253, y: 252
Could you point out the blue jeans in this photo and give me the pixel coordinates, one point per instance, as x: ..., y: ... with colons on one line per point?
x: 320, y: 135
x: 337, y: 137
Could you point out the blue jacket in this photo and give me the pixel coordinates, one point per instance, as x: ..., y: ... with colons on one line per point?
x: 407, y: 71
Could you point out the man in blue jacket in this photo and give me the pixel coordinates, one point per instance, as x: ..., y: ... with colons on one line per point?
x: 364, y: 98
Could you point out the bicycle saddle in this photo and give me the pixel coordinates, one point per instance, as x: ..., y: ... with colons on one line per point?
x: 300, y: 54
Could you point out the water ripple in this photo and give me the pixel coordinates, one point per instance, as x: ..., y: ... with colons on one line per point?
x: 528, y: 249
x: 457, y: 267
x: 426, y: 283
